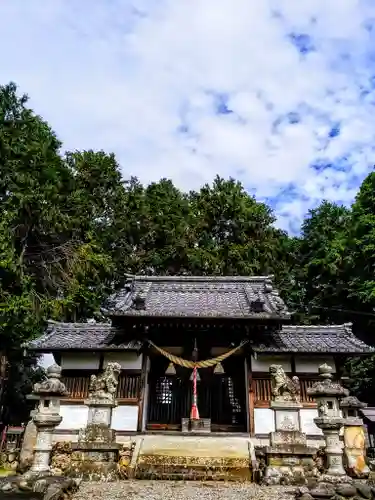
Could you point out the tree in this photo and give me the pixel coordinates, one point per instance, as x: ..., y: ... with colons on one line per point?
x: 233, y: 233
x: 33, y: 182
x: 362, y: 285
x: 52, y: 262
x: 167, y: 240
x: 33, y: 192
x: 362, y: 242
x: 322, y: 273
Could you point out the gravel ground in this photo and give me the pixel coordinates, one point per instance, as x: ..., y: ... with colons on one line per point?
x: 171, y: 490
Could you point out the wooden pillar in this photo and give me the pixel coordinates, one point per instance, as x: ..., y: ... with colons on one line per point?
x: 3, y: 373
x: 101, y: 361
x: 142, y: 392
x: 293, y: 365
x: 250, y: 396
x: 247, y: 399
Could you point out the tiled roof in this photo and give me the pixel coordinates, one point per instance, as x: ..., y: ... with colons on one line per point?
x: 290, y: 339
x: 198, y: 296
x: 368, y: 413
x: 81, y: 336
x: 312, y: 339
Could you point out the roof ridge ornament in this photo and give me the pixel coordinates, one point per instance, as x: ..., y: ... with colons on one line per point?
x: 208, y: 278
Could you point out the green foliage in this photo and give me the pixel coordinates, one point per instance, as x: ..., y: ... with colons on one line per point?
x: 232, y: 232
x: 323, y: 263
x: 71, y: 228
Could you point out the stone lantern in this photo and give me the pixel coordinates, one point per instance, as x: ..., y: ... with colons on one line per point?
x: 328, y: 395
x: 46, y: 417
x: 350, y: 407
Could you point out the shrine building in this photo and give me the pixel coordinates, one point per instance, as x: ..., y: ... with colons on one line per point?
x: 231, y: 328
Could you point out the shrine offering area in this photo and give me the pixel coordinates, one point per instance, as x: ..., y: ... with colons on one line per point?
x: 171, y: 490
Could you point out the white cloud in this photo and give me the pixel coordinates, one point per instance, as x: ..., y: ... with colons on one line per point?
x: 125, y: 76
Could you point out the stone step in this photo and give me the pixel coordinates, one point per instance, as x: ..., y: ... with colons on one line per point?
x: 194, y: 458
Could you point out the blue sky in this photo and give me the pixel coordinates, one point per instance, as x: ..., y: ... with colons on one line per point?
x: 278, y: 94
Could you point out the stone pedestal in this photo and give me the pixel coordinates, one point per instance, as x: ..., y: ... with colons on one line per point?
x: 94, y: 461
x: 286, y: 415
x: 288, y: 458
x: 42, y: 451
x: 334, y: 446
x: 100, y: 412
x: 95, y: 455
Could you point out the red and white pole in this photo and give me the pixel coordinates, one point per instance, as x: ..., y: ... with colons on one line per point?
x: 194, y: 413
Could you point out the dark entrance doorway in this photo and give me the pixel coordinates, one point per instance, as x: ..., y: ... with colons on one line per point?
x: 221, y: 397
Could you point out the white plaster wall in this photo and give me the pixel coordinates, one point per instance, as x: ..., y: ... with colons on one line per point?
x: 74, y: 417
x: 308, y: 426
x: 125, y: 418
x: 264, y: 420
x: 127, y: 360
x: 262, y: 363
x: 80, y: 361
x: 310, y: 364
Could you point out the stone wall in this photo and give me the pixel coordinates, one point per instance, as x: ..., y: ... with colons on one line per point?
x: 9, y: 459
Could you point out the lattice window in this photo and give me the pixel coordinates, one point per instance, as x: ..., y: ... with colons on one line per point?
x: 233, y: 400
x: 164, y: 391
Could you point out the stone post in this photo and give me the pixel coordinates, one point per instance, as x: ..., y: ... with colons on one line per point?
x: 28, y: 441
x: 46, y: 418
x: 327, y: 395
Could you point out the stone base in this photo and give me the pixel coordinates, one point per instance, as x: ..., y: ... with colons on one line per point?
x: 97, y: 433
x: 185, y: 468
x: 202, y: 425
x: 94, y: 461
x: 331, y: 479
x: 289, y: 469
x: 194, y: 457
x: 289, y: 460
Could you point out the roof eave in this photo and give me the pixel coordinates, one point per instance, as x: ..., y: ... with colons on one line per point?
x: 323, y: 351
x: 45, y: 350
